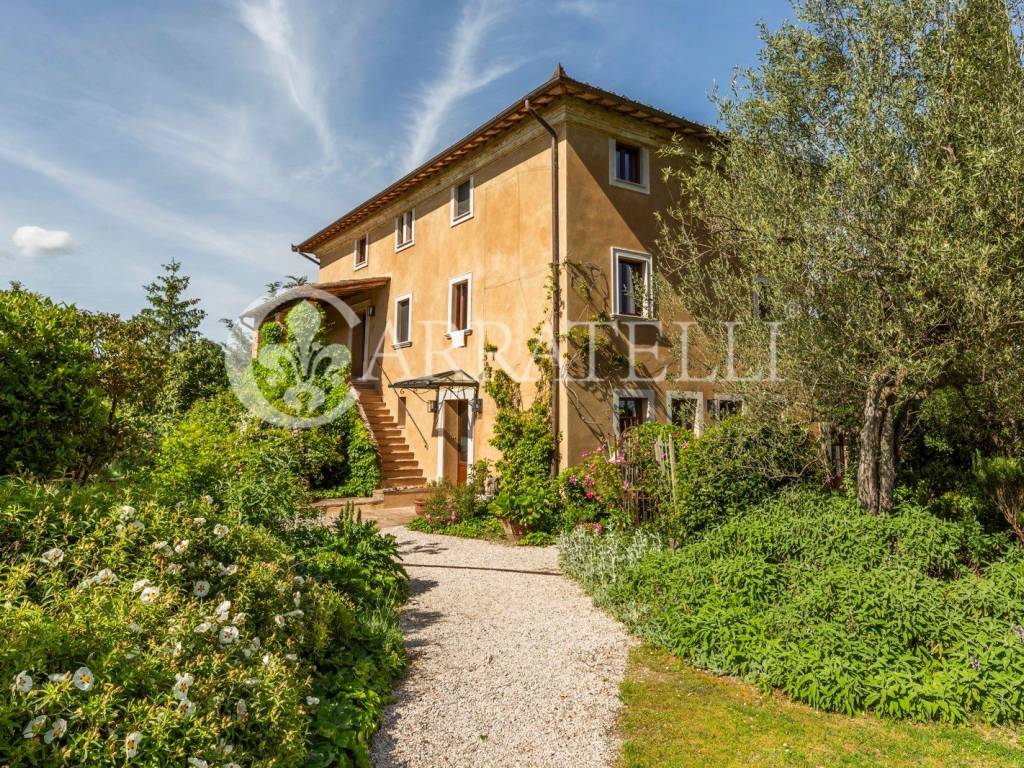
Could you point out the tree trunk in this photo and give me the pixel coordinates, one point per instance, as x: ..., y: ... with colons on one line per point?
x: 887, y: 459
x: 870, y: 444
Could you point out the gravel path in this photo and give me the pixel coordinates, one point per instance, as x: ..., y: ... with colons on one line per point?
x: 510, y: 663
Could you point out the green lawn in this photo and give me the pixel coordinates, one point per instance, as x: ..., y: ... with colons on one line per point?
x: 676, y: 717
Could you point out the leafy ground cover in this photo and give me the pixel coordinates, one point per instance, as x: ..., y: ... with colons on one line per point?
x: 907, y: 615
x: 679, y: 717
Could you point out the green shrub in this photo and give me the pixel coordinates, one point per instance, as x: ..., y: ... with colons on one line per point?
x: 1003, y: 478
x: 733, y: 466
x: 483, y: 526
x: 52, y: 406
x: 908, y: 615
x: 212, y: 637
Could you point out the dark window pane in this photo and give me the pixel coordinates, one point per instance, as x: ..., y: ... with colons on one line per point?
x: 632, y: 411
x: 462, y: 193
x: 684, y: 413
x: 402, y: 321
x: 632, y: 286
x: 627, y: 163
x: 460, y: 306
x: 361, y: 250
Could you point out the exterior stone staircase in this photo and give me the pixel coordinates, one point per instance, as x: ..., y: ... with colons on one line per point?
x: 398, y: 466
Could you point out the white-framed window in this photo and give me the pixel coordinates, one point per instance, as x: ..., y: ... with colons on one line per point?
x: 629, y: 166
x: 632, y: 407
x: 686, y: 410
x: 361, y: 252
x: 405, y: 229
x: 402, y: 329
x: 722, y: 406
x: 460, y: 303
x: 633, y: 277
x: 462, y: 201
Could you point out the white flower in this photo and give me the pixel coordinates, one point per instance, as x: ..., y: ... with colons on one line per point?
x: 176, y: 648
x: 127, y: 512
x: 312, y: 701
x: 106, y: 576
x: 35, y: 725
x: 59, y: 677
x: 251, y: 682
x: 185, y: 708
x: 231, y: 765
x: 83, y: 679
x: 58, y: 729
x: 195, y: 762
x: 299, y: 581
x: 297, y: 612
x: 139, y: 584
x: 201, y: 588
x: 161, y: 546
x: 241, y: 708
x: 224, y: 747
x: 175, y: 568
x: 227, y: 570
x: 238, y: 618
x: 52, y: 557
x: 133, y: 627
x: 198, y: 521
x: 297, y: 599
x: 291, y: 657
x: 266, y: 659
x: 138, y: 525
x: 181, y: 547
x: 228, y: 635
x: 131, y: 744
x: 279, y: 620
x: 181, y: 685
x: 207, y: 499
x: 180, y: 504
x: 202, y: 629
x: 149, y: 595
x: 220, y: 530
x: 222, y: 611
x: 22, y: 682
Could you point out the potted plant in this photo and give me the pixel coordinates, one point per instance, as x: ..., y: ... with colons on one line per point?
x: 520, y: 509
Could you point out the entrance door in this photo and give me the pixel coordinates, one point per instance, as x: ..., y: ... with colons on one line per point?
x: 455, y: 461
x: 359, y: 347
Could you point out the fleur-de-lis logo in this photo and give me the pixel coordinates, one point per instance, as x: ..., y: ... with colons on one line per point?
x: 297, y: 380
x: 307, y: 369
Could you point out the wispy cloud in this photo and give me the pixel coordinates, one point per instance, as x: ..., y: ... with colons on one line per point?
x: 126, y: 203
x: 463, y: 75
x: 273, y: 24
x: 32, y: 241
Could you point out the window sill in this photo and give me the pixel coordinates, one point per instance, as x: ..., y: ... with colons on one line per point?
x: 403, y: 246
x: 644, y: 188
x: 467, y: 332
x: 464, y: 217
x: 357, y: 267
x: 401, y: 344
x: 633, y: 319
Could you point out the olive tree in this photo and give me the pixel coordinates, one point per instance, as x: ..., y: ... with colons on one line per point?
x: 868, y: 185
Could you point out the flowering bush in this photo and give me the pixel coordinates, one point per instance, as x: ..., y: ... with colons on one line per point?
x: 141, y: 632
x: 590, y: 491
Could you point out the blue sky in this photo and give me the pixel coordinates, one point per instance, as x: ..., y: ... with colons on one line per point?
x: 219, y: 133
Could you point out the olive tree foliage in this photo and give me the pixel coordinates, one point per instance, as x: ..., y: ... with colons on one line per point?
x: 868, y: 183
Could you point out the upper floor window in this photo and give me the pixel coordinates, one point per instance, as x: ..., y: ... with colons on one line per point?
x: 361, y: 253
x: 722, y: 407
x: 403, y: 320
x: 629, y: 166
x: 632, y: 408
x: 634, y: 284
x: 762, y: 299
x: 405, y: 229
x: 462, y: 201
x: 460, y: 296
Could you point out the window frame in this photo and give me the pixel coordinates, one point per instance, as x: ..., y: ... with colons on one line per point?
x: 452, y: 282
x: 716, y: 400
x: 457, y: 218
x: 631, y: 394
x: 400, y: 225
x: 637, y: 257
x: 695, y: 399
x: 613, y: 166
x: 356, y: 264
x: 396, y: 342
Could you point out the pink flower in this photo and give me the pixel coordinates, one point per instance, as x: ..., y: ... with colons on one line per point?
x: 590, y: 494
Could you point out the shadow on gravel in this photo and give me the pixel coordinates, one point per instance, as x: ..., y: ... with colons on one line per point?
x: 419, y: 586
x: 428, y: 548
x: 481, y: 568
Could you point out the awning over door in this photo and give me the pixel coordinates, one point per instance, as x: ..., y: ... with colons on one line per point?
x: 436, y: 381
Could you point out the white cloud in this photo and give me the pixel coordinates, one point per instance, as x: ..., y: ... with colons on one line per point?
x: 271, y: 21
x: 463, y: 75
x: 36, y: 241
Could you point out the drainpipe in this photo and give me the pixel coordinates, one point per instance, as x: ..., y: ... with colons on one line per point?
x: 556, y: 287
